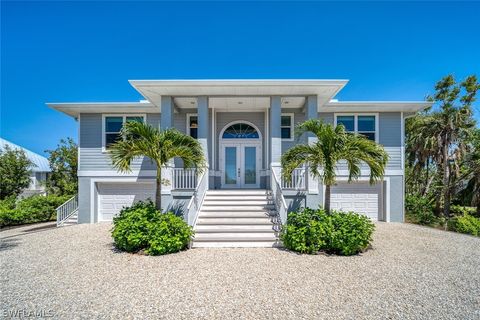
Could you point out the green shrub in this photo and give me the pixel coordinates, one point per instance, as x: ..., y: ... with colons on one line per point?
x: 465, y: 224
x: 306, y: 231
x: 461, y: 210
x: 352, y: 233
x: 344, y: 233
x: 33, y: 209
x: 420, y: 210
x: 142, y: 227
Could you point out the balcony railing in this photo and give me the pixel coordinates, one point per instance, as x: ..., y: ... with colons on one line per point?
x: 184, y: 178
x: 297, y: 181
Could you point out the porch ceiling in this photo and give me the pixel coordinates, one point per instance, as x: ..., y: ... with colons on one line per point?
x: 252, y: 90
x: 240, y: 103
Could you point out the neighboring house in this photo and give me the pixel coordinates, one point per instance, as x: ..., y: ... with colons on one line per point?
x: 244, y: 127
x: 39, y: 170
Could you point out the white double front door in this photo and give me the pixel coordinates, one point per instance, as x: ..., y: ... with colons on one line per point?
x: 240, y: 163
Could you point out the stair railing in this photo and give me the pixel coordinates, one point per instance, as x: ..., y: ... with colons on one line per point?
x: 66, y: 210
x: 278, y: 198
x: 197, y: 198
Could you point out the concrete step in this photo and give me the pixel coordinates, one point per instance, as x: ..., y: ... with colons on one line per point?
x: 233, y: 221
x: 236, y: 197
x: 237, y: 244
x: 235, y: 236
x: 234, y: 214
x: 237, y: 208
x: 239, y: 192
x: 208, y: 202
x: 233, y: 228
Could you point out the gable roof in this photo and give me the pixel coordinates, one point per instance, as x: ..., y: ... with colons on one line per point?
x: 40, y: 162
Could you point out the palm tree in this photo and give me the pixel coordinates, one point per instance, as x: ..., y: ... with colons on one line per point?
x: 472, y: 163
x: 334, y: 144
x: 140, y: 139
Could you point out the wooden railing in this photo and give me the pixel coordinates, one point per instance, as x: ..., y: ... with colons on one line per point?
x: 297, y: 180
x: 184, y: 178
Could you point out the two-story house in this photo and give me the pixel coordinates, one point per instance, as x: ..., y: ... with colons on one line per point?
x: 244, y: 127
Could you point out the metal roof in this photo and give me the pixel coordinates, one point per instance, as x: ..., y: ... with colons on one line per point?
x: 40, y: 162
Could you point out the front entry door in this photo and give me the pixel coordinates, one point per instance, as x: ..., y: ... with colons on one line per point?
x: 240, y: 165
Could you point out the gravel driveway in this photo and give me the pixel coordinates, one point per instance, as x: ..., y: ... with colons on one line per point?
x: 72, y: 272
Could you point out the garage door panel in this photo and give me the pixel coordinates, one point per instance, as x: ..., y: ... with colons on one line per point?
x: 113, y: 197
x: 359, y: 197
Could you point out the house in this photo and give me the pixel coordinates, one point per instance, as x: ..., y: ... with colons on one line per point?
x: 39, y: 170
x: 244, y: 127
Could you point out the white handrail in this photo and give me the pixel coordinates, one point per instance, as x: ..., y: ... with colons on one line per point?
x: 67, y: 209
x: 184, y: 178
x: 194, y: 204
x: 296, y: 181
x: 278, y: 197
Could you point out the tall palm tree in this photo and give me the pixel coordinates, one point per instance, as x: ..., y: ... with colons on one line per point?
x: 140, y: 139
x: 334, y: 144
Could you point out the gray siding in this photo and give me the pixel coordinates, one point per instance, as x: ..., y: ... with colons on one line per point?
x: 90, y: 152
x: 396, y: 199
x: 327, y: 117
x: 84, y: 200
x: 298, y: 117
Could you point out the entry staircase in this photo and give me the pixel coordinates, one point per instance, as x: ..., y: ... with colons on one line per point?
x: 236, y: 218
x: 67, y: 213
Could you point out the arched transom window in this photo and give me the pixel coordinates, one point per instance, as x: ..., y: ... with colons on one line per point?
x: 240, y: 131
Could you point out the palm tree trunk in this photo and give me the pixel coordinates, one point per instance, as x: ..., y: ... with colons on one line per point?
x: 158, y: 191
x: 446, y: 180
x: 327, y: 198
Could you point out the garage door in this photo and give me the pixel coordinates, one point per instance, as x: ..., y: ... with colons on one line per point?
x: 112, y: 197
x: 359, y: 197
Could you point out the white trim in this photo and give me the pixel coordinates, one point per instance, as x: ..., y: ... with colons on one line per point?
x: 267, y: 139
x: 292, y: 124
x: 366, y: 172
x: 402, y: 139
x: 187, y: 127
x: 113, y: 173
x: 124, y: 116
x: 240, y: 121
x: 355, y: 115
x: 213, y: 128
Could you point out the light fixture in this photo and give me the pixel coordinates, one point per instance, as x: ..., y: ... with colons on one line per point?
x: 240, y: 102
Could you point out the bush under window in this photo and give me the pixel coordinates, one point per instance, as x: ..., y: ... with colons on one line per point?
x: 142, y: 227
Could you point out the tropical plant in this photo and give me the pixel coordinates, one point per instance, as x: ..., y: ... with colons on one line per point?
x: 63, y: 162
x: 334, y: 144
x: 140, y: 139
x: 472, y: 162
x: 15, y: 169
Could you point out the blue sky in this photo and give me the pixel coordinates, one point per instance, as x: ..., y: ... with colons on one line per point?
x: 86, y: 51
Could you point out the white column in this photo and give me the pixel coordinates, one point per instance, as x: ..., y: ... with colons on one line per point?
x: 312, y: 113
x: 275, y: 135
x: 166, y: 121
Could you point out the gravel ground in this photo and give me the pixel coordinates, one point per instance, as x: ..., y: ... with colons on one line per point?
x: 412, y: 272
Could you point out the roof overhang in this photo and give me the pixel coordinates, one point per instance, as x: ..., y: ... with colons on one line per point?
x: 375, y: 106
x: 153, y: 90
x: 74, y: 109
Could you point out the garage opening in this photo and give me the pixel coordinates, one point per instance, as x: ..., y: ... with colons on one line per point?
x: 360, y: 197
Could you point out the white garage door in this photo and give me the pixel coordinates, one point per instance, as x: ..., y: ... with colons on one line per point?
x: 112, y: 197
x: 359, y: 197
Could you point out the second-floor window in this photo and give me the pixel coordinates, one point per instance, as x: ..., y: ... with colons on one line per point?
x: 114, y: 123
x: 287, y: 126
x: 362, y: 124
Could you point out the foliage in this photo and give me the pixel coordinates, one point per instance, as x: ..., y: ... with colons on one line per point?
x: 472, y: 175
x: 343, y: 233
x: 334, y: 144
x: 306, y: 231
x: 437, y: 142
x: 36, y: 208
x: 420, y: 210
x: 143, y: 227
x: 15, y: 170
x: 465, y: 224
x: 140, y: 139
x: 352, y: 233
x: 462, y: 210
x: 64, y: 164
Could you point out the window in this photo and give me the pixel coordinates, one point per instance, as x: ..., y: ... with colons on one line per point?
x: 240, y: 131
x: 287, y: 126
x: 113, y: 124
x: 362, y: 124
x: 192, y: 125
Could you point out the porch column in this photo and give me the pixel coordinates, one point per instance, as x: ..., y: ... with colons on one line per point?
x: 202, y: 131
x: 275, y: 133
x: 166, y: 115
x: 166, y: 121
x: 311, y: 112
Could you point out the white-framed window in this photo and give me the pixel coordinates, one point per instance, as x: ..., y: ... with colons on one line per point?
x: 192, y: 125
x: 362, y: 123
x: 113, y: 123
x: 286, y: 125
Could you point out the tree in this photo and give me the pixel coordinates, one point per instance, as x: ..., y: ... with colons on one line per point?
x: 472, y: 162
x: 15, y: 170
x: 334, y: 144
x: 63, y: 161
x: 140, y: 139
